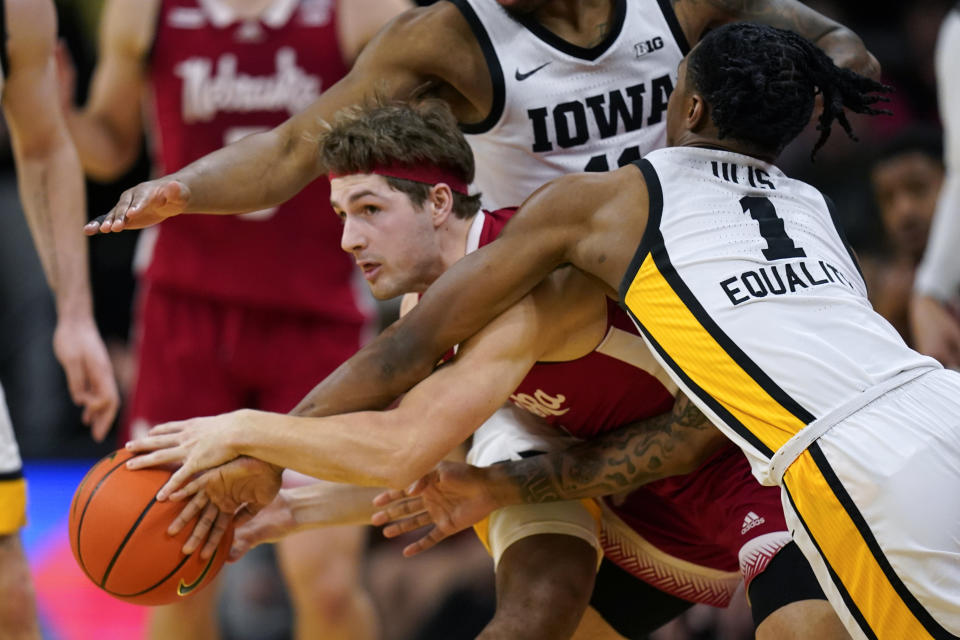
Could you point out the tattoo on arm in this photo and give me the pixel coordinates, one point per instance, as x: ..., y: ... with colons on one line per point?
x: 618, y: 461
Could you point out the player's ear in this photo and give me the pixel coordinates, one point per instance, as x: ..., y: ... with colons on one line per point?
x: 696, y: 112
x: 441, y: 203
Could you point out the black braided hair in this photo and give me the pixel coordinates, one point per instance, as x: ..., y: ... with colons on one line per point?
x: 760, y: 83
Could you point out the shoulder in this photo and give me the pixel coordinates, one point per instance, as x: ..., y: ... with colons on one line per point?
x: 429, y: 29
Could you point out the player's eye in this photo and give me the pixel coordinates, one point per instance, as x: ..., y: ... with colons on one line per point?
x: 371, y: 209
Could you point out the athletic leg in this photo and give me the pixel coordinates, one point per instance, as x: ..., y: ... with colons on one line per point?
x: 544, y: 583
x: 787, y: 603
x: 18, y: 612
x: 322, y: 571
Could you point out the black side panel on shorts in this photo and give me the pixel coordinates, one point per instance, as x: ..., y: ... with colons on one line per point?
x: 631, y: 606
x: 788, y: 578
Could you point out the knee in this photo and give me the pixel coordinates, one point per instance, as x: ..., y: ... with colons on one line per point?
x: 329, y: 592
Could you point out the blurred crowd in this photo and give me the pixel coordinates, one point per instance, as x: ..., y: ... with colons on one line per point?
x: 884, y: 186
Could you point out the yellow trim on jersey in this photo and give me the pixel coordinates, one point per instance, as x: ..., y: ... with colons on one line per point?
x: 13, y: 505
x: 669, y: 321
x: 847, y: 554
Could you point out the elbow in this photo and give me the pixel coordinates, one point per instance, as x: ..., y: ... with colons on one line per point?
x: 109, y: 168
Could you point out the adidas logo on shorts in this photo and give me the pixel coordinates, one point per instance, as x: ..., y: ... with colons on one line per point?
x: 751, y: 521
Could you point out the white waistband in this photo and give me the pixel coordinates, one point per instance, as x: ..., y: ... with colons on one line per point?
x: 796, y: 445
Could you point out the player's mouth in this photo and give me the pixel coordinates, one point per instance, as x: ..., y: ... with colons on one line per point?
x: 369, y: 269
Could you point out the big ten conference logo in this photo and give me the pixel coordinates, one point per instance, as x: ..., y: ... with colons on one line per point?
x: 208, y: 90
x: 540, y: 403
x: 648, y: 46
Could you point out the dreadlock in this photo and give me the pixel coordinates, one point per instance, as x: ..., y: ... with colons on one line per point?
x: 760, y: 83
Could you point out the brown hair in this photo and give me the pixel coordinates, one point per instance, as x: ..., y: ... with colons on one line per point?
x: 385, y: 132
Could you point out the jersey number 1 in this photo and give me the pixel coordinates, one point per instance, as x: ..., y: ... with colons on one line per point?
x: 779, y: 244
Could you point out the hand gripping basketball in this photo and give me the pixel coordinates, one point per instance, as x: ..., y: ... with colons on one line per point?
x: 118, y: 534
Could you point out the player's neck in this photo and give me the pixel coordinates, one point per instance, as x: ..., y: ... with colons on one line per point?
x: 248, y: 9
x: 583, y: 23
x: 691, y: 139
x: 453, y: 241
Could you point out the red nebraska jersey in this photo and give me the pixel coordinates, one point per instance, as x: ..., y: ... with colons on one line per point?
x: 617, y: 383
x: 215, y: 80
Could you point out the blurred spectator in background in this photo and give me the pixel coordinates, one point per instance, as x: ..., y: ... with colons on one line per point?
x: 935, y: 313
x: 51, y: 190
x: 235, y: 312
x: 906, y: 177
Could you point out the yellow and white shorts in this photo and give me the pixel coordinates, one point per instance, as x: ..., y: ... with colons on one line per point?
x: 874, y: 504
x: 509, y: 433
x: 13, y: 488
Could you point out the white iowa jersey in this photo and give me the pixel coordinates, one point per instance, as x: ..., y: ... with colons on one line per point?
x: 559, y: 108
x: 745, y: 288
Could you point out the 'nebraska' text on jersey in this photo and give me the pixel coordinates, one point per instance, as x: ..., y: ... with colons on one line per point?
x: 745, y: 289
x: 560, y: 108
x: 216, y: 79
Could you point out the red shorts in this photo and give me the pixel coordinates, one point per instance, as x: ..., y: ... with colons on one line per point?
x: 699, y: 535
x: 199, y: 357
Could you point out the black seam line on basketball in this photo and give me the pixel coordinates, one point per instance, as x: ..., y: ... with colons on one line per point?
x: 840, y: 232
x: 844, y: 594
x: 7, y: 476
x: 184, y: 589
x: 651, y: 239
x: 123, y: 543
x: 83, y: 514
x: 668, y: 271
x: 671, y: 17
x: 154, y: 585
x: 493, y: 66
x: 919, y: 612
x: 86, y: 476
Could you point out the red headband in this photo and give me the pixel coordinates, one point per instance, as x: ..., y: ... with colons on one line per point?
x: 425, y: 174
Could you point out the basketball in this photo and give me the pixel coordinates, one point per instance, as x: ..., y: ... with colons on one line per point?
x: 119, y: 539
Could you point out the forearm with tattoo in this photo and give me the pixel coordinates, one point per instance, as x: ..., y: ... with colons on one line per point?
x: 669, y: 444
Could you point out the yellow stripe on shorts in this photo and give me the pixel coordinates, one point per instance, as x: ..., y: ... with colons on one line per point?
x: 673, y: 326
x: 13, y: 505
x: 852, y: 562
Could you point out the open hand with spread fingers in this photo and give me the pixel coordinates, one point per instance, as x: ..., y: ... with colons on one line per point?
x: 146, y: 204
x: 451, y: 498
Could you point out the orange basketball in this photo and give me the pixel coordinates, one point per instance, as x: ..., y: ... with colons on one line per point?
x: 118, y: 536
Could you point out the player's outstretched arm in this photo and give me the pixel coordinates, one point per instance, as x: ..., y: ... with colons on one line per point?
x: 372, y: 448
x: 839, y: 42
x: 455, y: 496
x: 415, y: 52
x: 52, y: 193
